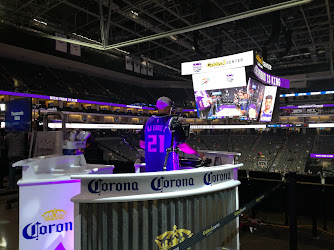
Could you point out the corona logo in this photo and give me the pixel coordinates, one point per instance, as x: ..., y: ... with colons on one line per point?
x: 55, y: 214
x: 160, y: 183
x: 210, y: 178
x: 98, y: 186
x: 37, y: 229
x: 170, y: 239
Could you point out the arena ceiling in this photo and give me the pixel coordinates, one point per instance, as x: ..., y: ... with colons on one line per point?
x: 296, y: 39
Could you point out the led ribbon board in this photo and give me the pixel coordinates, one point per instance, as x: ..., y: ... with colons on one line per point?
x: 279, y: 125
x: 135, y: 126
x: 270, y: 79
x: 308, y: 106
x: 329, y: 156
x: 308, y: 93
x: 65, y: 99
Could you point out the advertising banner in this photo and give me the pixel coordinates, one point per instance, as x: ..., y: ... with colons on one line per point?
x: 150, y: 69
x: 143, y: 69
x: 128, y: 63
x: 60, y: 45
x: 75, y: 49
x: 47, y: 216
x: 140, y: 187
x: 218, y: 64
x: 18, y: 115
x: 136, y: 65
x: 270, y: 79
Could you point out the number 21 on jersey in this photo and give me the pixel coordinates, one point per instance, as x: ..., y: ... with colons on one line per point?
x: 156, y: 143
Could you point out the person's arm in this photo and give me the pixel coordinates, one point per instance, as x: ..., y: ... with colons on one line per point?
x: 142, y: 137
x: 184, y: 147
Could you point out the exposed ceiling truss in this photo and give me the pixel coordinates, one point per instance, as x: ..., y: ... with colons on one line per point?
x: 164, y: 30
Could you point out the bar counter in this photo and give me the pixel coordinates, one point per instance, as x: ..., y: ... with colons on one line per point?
x: 156, y: 210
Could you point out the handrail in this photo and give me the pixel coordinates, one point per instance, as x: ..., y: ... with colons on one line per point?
x: 115, y: 152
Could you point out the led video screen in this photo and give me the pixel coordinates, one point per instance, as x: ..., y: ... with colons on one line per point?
x: 218, y: 103
x: 255, y: 91
x: 221, y: 94
x: 18, y: 115
x: 268, y: 104
x: 242, y: 101
x: 216, y: 99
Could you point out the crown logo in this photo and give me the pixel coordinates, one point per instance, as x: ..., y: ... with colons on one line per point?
x: 54, y: 214
x: 172, y: 238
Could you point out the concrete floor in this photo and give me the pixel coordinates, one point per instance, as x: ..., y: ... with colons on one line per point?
x: 275, y: 238
x: 9, y: 223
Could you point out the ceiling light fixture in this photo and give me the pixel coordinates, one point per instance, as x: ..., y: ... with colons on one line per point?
x: 39, y: 21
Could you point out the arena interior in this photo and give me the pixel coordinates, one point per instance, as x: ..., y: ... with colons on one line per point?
x: 104, y: 64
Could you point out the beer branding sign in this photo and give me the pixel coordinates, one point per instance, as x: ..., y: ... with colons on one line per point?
x: 170, y: 239
x: 139, y: 185
x: 54, y: 223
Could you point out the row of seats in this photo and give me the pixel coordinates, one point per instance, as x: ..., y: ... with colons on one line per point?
x: 281, y: 152
x: 45, y: 80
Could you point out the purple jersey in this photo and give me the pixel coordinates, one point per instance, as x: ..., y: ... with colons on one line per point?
x: 158, y: 138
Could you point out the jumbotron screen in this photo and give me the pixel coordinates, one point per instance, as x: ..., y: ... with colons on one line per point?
x: 219, y: 103
x: 255, y: 91
x: 221, y: 94
x: 268, y: 104
x: 244, y: 102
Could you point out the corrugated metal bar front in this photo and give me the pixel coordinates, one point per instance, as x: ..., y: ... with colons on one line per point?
x: 158, y: 224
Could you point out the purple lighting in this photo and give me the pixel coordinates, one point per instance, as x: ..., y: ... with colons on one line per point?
x: 60, y: 247
x: 308, y: 106
x: 330, y: 156
x: 67, y: 99
x: 189, y: 110
x: 23, y: 94
x: 49, y: 183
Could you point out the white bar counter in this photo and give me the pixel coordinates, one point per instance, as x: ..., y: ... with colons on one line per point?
x: 156, y: 210
x: 46, y: 214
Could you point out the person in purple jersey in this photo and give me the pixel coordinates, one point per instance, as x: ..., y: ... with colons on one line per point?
x: 267, y: 113
x: 156, y: 138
